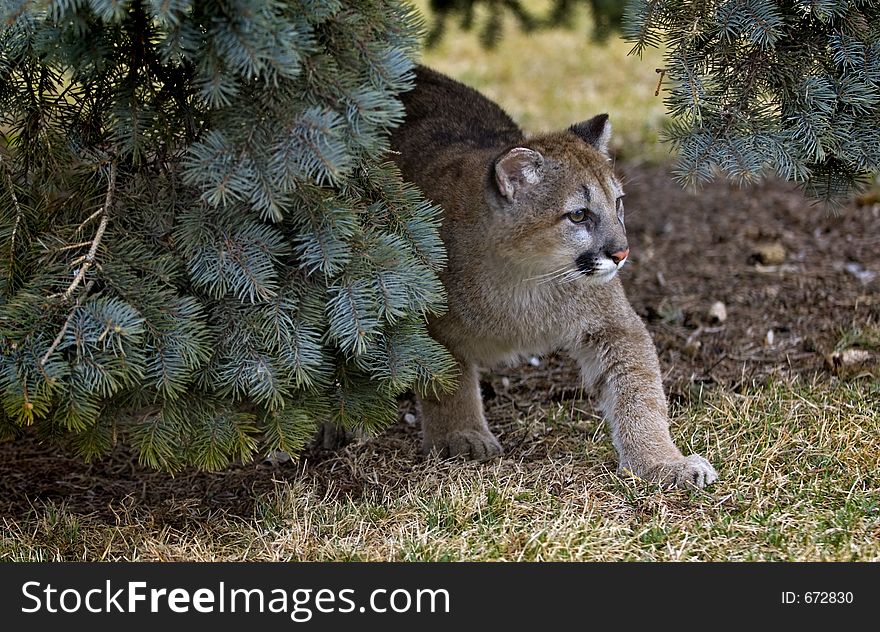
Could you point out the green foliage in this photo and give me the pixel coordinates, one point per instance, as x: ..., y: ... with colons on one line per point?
x: 202, y: 249
x: 754, y: 85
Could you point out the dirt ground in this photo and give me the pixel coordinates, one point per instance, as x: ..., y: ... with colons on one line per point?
x: 795, y: 281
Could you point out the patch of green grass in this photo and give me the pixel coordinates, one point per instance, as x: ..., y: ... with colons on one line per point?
x: 798, y: 461
x: 49, y: 532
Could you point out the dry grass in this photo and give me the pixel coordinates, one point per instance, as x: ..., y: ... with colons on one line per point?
x: 799, y: 465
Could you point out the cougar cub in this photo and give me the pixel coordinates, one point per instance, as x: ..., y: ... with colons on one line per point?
x: 534, y: 230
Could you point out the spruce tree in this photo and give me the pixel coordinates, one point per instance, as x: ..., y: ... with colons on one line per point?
x: 793, y: 86
x: 204, y: 251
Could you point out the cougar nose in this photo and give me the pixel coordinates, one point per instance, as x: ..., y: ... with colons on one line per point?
x: 617, y: 257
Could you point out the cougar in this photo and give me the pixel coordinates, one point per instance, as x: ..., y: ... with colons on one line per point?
x: 534, y: 231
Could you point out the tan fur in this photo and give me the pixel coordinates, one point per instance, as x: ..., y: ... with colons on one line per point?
x: 506, y: 233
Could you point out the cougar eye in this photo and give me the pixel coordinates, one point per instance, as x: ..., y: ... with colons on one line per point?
x: 620, y: 209
x: 578, y: 216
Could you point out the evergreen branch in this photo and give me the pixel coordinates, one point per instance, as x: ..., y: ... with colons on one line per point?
x: 18, y: 214
x: 229, y: 118
x: 87, y: 263
x: 89, y: 258
x: 64, y: 327
x: 87, y: 220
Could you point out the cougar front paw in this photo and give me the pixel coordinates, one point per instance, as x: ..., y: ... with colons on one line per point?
x: 479, y: 445
x: 687, y: 472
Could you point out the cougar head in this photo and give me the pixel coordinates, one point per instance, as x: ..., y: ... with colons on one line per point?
x: 559, y: 207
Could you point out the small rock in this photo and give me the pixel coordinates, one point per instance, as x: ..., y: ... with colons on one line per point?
x: 717, y: 312
x: 505, y: 382
x: 276, y: 458
x: 410, y: 419
x: 535, y: 361
x: 850, y: 359
x: 860, y: 272
x: 769, y: 254
x: 769, y: 338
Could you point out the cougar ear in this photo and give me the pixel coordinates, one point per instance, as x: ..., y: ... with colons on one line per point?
x: 596, y: 132
x: 518, y: 169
